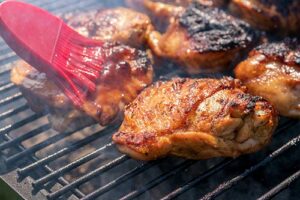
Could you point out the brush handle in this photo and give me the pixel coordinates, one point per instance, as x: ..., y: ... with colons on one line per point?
x: 30, y: 31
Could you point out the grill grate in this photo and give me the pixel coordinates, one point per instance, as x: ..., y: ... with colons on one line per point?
x: 37, y: 168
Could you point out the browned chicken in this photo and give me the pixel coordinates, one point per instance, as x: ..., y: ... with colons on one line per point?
x: 163, y: 12
x: 273, y: 71
x: 119, y: 24
x: 125, y: 73
x: 203, y: 39
x: 195, y: 119
x: 280, y: 16
x: 147, y: 4
x: 184, y: 3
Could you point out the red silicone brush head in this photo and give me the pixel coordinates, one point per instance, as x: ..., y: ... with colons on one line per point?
x: 29, y: 29
x: 49, y: 45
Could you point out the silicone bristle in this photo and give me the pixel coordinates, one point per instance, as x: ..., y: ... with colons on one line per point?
x: 77, y: 63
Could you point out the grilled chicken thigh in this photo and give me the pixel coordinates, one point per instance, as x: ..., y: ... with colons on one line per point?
x: 203, y: 39
x: 195, y: 119
x: 120, y: 24
x: 146, y: 4
x: 126, y: 71
x: 282, y: 16
x: 164, y: 12
x: 273, y: 71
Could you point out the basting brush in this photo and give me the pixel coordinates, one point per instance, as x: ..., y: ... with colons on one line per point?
x: 43, y: 40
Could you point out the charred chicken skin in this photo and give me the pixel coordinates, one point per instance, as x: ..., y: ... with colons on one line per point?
x: 156, y: 6
x: 282, y: 16
x: 195, y: 119
x: 126, y: 71
x: 164, y: 12
x: 203, y: 39
x: 272, y: 71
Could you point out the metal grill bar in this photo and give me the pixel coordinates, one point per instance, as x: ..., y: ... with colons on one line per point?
x: 19, y: 124
x: 8, y: 54
x: 38, y: 147
x: 24, y: 137
x: 195, y: 181
x: 10, y: 99
x: 64, y: 151
x: 159, y: 179
x: 188, y: 185
x: 280, y: 187
x: 119, y: 180
x: 4, y: 69
x: 89, y: 176
x: 6, y: 87
x: 226, y: 185
x: 7, y: 60
x: 61, y: 180
x: 13, y: 111
x: 70, y: 166
x: 185, y: 187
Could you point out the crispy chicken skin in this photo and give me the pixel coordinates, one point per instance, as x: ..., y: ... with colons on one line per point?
x: 282, y: 16
x: 195, y: 119
x: 272, y: 71
x: 203, y: 39
x: 125, y: 73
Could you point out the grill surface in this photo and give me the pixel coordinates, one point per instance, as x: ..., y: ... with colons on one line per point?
x: 40, y: 163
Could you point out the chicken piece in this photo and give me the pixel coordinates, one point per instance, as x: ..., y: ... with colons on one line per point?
x: 125, y: 73
x: 195, y: 119
x: 280, y: 16
x: 120, y: 24
x: 272, y: 71
x: 184, y: 3
x: 203, y: 39
x: 147, y: 4
x: 162, y: 12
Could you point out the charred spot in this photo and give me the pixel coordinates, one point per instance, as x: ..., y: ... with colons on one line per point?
x: 212, y: 29
x: 251, y: 105
x: 287, y: 51
x: 233, y: 104
x: 252, y: 102
x: 177, y: 85
x: 179, y: 81
x: 142, y: 60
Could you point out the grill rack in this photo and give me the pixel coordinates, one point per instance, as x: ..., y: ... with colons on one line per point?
x: 36, y: 163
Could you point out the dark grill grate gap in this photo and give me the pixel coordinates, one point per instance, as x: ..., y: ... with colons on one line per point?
x: 61, y: 180
x: 62, y: 152
x: 70, y: 166
x: 227, y: 185
x: 119, y: 180
x: 187, y: 186
x: 280, y: 187
x: 87, y: 177
x: 50, y: 176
